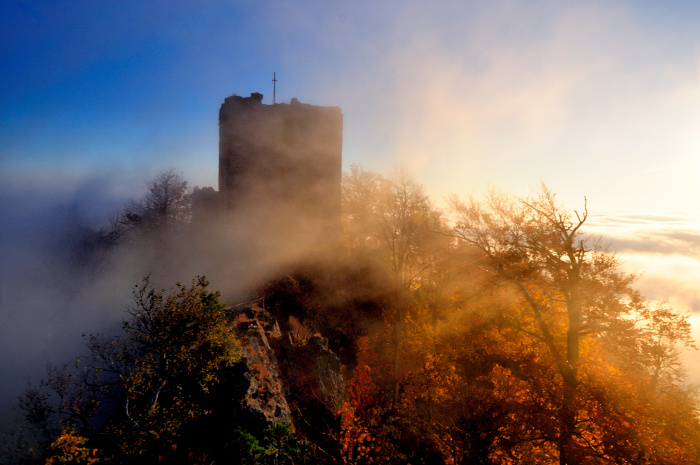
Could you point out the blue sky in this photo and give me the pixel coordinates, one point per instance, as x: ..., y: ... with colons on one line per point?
x: 598, y: 99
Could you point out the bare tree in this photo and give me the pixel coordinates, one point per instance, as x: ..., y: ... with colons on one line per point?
x: 571, y: 287
x: 165, y: 208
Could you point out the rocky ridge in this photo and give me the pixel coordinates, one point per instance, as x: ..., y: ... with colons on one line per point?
x: 283, y: 376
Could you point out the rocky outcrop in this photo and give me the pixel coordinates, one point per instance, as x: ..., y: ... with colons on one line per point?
x: 314, y: 373
x: 257, y: 380
x: 280, y: 377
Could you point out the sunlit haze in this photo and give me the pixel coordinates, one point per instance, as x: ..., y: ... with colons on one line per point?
x: 599, y: 100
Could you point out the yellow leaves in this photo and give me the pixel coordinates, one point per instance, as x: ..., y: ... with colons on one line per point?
x: 175, y: 347
x: 70, y: 448
x: 354, y: 436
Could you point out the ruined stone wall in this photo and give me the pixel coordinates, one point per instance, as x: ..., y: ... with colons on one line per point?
x: 280, y: 165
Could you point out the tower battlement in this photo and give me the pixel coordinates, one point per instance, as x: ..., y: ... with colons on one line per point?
x: 281, y: 163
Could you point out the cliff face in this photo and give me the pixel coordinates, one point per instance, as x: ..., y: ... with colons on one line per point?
x: 258, y: 385
x: 282, y: 377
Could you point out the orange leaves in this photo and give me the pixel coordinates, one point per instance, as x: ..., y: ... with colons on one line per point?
x: 71, y: 448
x: 361, y: 388
x: 355, y: 437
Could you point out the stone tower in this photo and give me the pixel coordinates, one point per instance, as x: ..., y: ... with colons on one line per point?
x: 280, y: 166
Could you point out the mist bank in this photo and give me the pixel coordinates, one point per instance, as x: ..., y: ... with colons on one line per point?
x: 68, y: 267
x: 499, y: 320
x: 45, y: 303
x: 52, y: 290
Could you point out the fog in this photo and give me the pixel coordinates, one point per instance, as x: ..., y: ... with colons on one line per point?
x: 587, y: 97
x: 54, y: 289
x: 45, y: 302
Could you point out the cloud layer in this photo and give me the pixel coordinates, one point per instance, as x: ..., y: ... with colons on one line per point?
x: 664, y: 249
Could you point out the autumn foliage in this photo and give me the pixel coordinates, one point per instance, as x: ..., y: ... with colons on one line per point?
x: 517, y: 338
x: 495, y: 333
x: 70, y: 448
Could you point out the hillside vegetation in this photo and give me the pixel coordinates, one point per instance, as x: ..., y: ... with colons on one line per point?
x: 497, y: 332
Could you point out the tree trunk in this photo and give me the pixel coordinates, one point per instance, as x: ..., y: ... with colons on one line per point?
x: 397, y: 345
x: 567, y: 414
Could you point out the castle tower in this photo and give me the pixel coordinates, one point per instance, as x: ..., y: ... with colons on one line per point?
x: 280, y: 165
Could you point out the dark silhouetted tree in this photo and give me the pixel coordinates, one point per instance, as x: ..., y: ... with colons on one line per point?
x: 570, y: 297
x: 143, y: 396
x: 166, y: 208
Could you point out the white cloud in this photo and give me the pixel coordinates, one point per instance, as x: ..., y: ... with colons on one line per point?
x: 665, y: 249
x: 591, y: 98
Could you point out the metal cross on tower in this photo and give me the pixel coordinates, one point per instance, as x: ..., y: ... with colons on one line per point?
x: 274, y: 87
